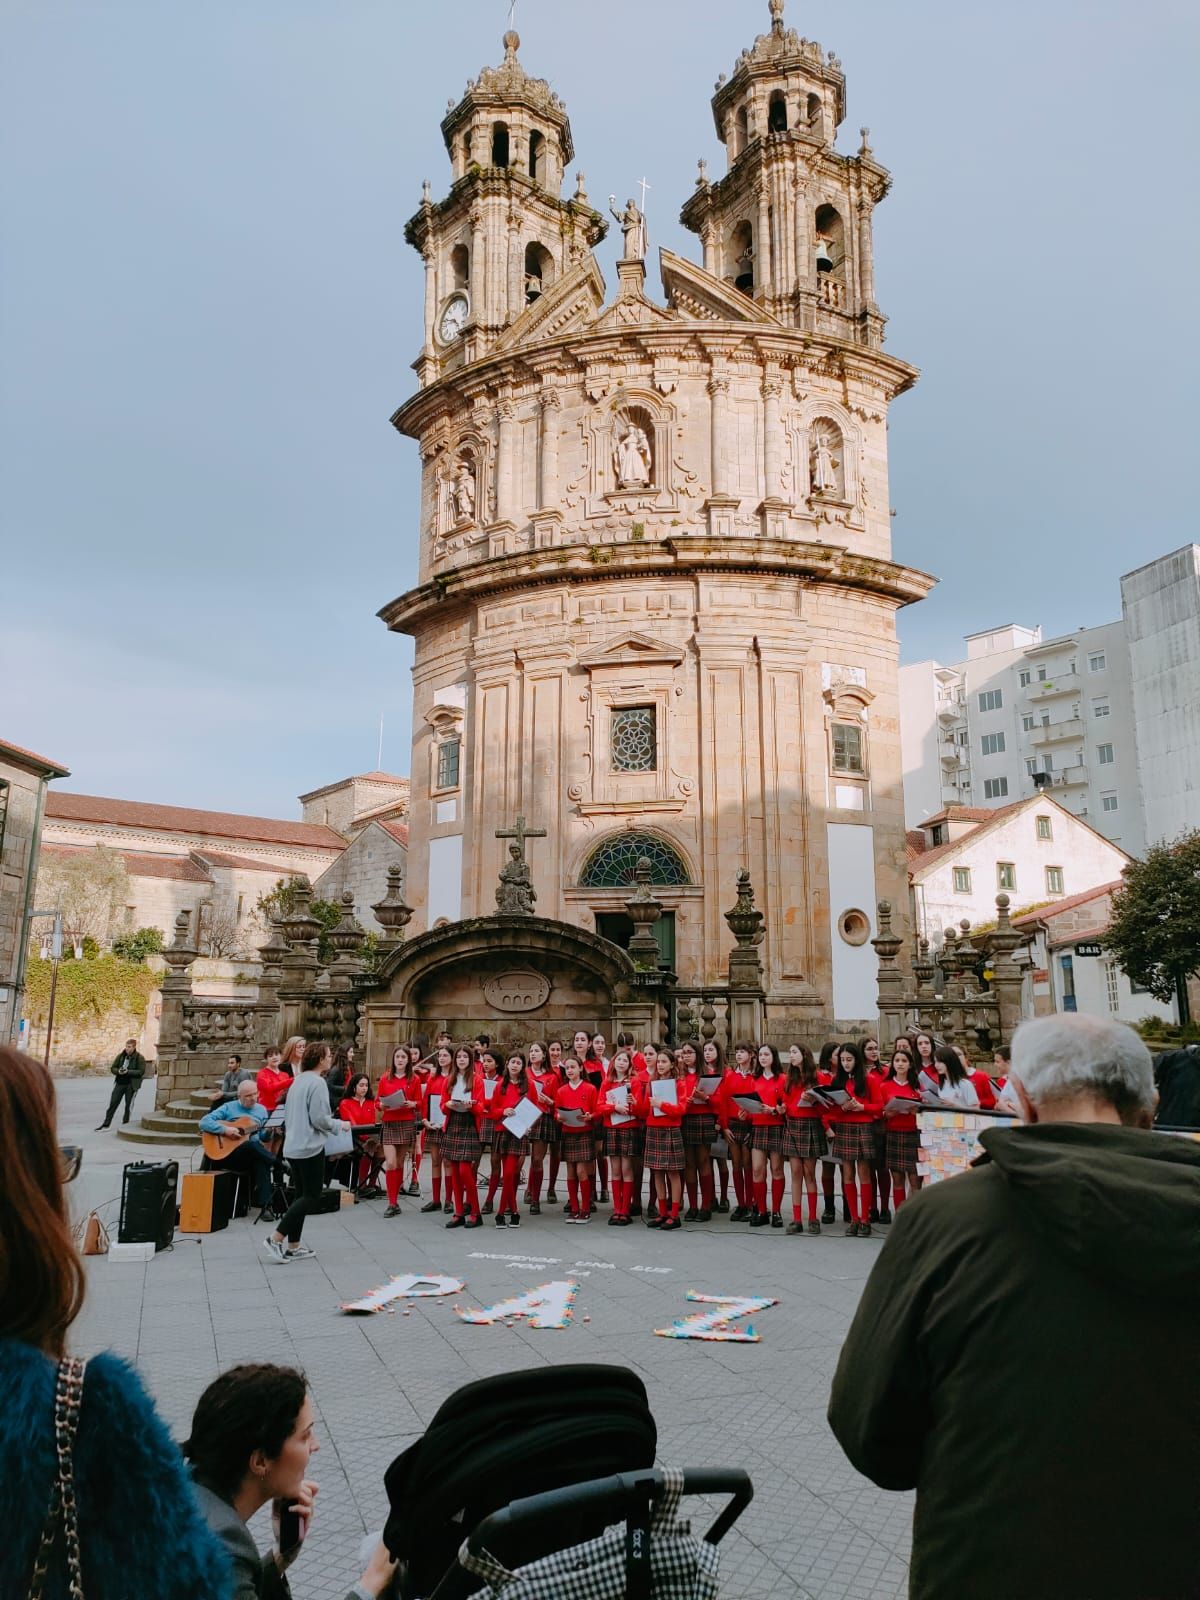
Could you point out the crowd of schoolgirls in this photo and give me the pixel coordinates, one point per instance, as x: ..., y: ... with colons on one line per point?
x: 685, y: 1117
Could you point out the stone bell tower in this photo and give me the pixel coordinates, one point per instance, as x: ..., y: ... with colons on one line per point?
x: 655, y: 606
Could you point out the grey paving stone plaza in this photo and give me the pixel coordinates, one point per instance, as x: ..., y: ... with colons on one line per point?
x: 815, y: 1527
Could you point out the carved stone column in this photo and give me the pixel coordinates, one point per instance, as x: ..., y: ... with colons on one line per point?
x: 429, y: 255
x: 176, y: 989
x: 773, y: 507
x: 890, y: 979
x: 478, y: 269
x: 746, y: 993
x: 506, y: 428
x: 762, y: 246
x: 548, y: 450
x: 1007, y: 978
x: 721, y: 503
x: 708, y: 237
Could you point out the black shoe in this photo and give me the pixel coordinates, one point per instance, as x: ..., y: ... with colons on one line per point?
x: 671, y: 1224
x: 551, y: 1197
x: 738, y: 1214
x: 704, y: 1216
x: 501, y: 1219
x: 487, y: 1208
x: 655, y: 1222
x: 448, y: 1207
x: 723, y: 1203
x: 884, y: 1218
x: 124, y: 1121
x: 514, y: 1219
x: 829, y: 1215
x: 776, y: 1220
x: 392, y: 1211
x: 635, y: 1210
x: 690, y: 1214
x: 794, y: 1227
x: 852, y: 1230
x: 472, y: 1222
x: 864, y: 1230
x: 101, y: 1128
x: 845, y: 1213
x: 760, y: 1219
x: 602, y: 1196
x: 434, y: 1205
x: 535, y: 1208
x: 874, y: 1217
x: 615, y: 1221
x: 457, y: 1222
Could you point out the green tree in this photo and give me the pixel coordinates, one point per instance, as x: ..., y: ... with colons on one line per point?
x: 281, y: 901
x: 1154, y: 933
x: 88, y: 886
x: 138, y: 945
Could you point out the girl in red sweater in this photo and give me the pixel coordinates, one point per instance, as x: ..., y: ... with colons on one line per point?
x: 924, y: 1047
x: 358, y: 1106
x: 854, y: 1137
x: 649, y: 1055
x: 984, y: 1091
x: 509, y: 1151
x: 422, y: 1068
x: 805, y: 1134
x: 616, y: 1100
x: 555, y: 1054
x: 826, y: 1067
x: 577, y: 1141
x: 739, y: 1079
x: 876, y: 1071
x: 768, y: 1137
x: 544, y: 1083
x: 434, y: 1089
x: 699, y: 1130
x: 487, y: 1071
x: 463, y: 1104
x: 712, y: 1065
x: 902, y: 1138
x: 399, y: 1122
x: 664, y: 1141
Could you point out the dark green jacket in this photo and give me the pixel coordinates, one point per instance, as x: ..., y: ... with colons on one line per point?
x: 1026, y: 1355
x: 137, y: 1067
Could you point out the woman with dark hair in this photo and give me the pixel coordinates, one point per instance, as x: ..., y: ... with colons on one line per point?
x: 361, y: 1110
x: 954, y: 1080
x: 544, y: 1084
x: 399, y: 1122
x: 577, y: 1142
x: 619, y: 1123
x: 664, y: 1141
x: 739, y: 1079
x: 901, y: 1087
x: 433, y: 1091
x: 924, y: 1045
x: 308, y: 1123
x: 854, y: 1136
x: 805, y: 1134
x: 130, y: 1512
x: 253, y: 1435
x: 595, y: 1070
x: 465, y: 1107
x: 699, y: 1132
x: 508, y: 1150
x: 712, y: 1065
x: 488, y: 1078
x: 554, y: 1056
x: 826, y: 1067
x: 877, y: 1071
x: 768, y: 1137
x: 340, y: 1073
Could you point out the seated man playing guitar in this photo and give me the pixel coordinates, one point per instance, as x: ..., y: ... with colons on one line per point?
x: 232, y: 1136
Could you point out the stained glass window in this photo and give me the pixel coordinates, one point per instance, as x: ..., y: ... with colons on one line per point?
x: 634, y: 747
x: 611, y: 865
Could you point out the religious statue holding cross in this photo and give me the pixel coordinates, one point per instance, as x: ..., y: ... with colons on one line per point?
x: 633, y: 224
x: 515, y: 893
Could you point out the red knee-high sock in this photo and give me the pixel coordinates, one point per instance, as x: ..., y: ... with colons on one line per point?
x: 535, y: 1181
x: 690, y: 1185
x: 864, y: 1201
x: 468, y: 1187
x: 392, y: 1179
x: 776, y: 1194
x: 454, y: 1188
x: 364, y: 1170
x: 708, y: 1193
x: 555, y: 1163
x: 897, y: 1198
x: 508, y: 1191
x: 674, y: 1210
x: 573, y: 1195
x: 585, y: 1196
x: 811, y: 1197
x: 796, y: 1213
x: 437, y: 1183
x: 494, y: 1180
x: 760, y: 1197
x: 827, y: 1183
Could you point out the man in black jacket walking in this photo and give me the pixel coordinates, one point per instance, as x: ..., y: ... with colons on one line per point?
x: 128, y: 1070
x: 1024, y: 1351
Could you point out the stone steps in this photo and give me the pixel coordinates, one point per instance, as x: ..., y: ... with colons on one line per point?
x: 169, y: 1131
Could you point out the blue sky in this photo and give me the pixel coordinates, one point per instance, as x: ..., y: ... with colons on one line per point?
x: 208, y: 313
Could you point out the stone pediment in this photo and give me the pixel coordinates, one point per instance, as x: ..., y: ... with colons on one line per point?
x: 567, y: 306
x: 632, y: 650
x: 696, y: 294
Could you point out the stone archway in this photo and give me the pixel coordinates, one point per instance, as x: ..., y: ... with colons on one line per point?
x: 513, y: 978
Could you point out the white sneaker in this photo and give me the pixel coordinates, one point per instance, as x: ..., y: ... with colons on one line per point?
x: 274, y: 1248
x: 299, y: 1252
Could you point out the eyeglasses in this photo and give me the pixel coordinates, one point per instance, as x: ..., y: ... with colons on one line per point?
x: 71, y: 1156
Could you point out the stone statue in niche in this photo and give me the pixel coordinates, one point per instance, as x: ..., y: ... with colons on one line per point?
x: 462, y: 492
x: 824, y: 459
x: 515, y: 893
x: 632, y: 457
x: 633, y: 226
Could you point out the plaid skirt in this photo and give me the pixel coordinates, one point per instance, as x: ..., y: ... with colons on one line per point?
x: 699, y: 1129
x: 664, y: 1149
x: 431, y: 1140
x: 507, y: 1144
x: 854, y: 1141
x: 739, y: 1133
x: 622, y: 1141
x: 545, y: 1130
x: 771, y: 1137
x: 577, y: 1144
x: 460, y: 1141
x: 903, y: 1149
x: 400, y: 1133
x: 487, y: 1134
x: 806, y: 1138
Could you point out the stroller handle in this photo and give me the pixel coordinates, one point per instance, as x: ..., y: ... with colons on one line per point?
x: 615, y: 1497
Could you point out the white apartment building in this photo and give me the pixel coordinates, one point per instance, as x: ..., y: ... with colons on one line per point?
x: 1105, y: 719
x: 1161, y: 609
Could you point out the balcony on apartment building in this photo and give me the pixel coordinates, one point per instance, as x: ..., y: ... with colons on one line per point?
x: 1052, y: 688
x: 1058, y: 732
x: 1072, y: 777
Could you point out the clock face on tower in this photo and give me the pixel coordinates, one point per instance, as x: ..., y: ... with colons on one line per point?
x: 453, y: 318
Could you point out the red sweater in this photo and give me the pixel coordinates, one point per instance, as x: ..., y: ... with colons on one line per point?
x: 491, y: 1108
x: 411, y: 1090
x: 454, y: 1108
x: 984, y: 1088
x: 902, y: 1121
x: 272, y: 1086
x: 710, y: 1104
x: 878, y: 1078
x: 363, y: 1113
x: 869, y: 1099
x: 667, y: 1116
x: 795, y: 1111
x: 609, y: 1111
x: 505, y: 1099
x: 770, y: 1091
x: 579, y: 1096
x: 546, y: 1083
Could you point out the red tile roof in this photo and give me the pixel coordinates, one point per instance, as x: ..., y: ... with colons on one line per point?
x: 218, y: 858
x: 983, y: 819
x: 914, y: 843
x: 141, y: 864
x: 1079, y: 936
x: 1057, y: 907
x: 398, y: 831
x: 65, y: 807
x: 955, y: 813
x: 23, y: 757
x: 359, y: 777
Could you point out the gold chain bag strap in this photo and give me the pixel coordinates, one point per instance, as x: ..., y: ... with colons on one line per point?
x: 68, y: 1397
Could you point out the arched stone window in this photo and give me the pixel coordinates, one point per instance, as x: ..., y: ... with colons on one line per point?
x: 611, y: 865
x: 830, y: 240
x: 499, y: 144
x: 741, y: 131
x: 827, y: 459
x: 539, y: 271
x: 537, y: 157
x: 777, y: 117
x: 813, y: 110
x: 460, y: 267
x: 741, y: 252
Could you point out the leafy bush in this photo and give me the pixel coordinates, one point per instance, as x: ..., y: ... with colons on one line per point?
x: 89, y: 988
x: 137, y: 946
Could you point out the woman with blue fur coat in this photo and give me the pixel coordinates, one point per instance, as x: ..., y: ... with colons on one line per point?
x: 140, y: 1530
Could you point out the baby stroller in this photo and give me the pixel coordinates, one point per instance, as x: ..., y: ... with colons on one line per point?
x: 577, y: 1444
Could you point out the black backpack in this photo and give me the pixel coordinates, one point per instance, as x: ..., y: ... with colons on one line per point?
x: 500, y: 1439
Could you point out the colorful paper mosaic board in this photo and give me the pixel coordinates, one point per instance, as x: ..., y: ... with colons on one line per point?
x: 950, y: 1141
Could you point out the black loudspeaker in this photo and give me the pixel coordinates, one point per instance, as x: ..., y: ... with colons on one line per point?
x: 328, y: 1200
x: 148, y: 1190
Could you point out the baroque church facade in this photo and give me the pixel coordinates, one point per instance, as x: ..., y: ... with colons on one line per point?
x: 655, y: 608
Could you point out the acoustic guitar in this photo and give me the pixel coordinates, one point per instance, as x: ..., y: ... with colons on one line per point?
x: 233, y: 1135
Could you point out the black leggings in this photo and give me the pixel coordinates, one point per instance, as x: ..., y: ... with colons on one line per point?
x: 309, y: 1173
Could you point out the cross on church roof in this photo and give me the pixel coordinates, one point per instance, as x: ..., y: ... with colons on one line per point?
x: 520, y: 833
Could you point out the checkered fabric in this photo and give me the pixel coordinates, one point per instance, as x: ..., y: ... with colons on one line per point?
x: 771, y: 1137
x: 507, y: 1145
x: 664, y: 1149
x: 487, y: 1134
x: 806, y: 1138
x: 545, y: 1130
x: 854, y: 1141
x: 398, y: 1133
x: 460, y: 1141
x: 621, y: 1141
x: 739, y: 1133
x: 433, y: 1140
x: 903, y: 1149
x: 683, y: 1566
x: 699, y: 1129
x: 577, y: 1145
